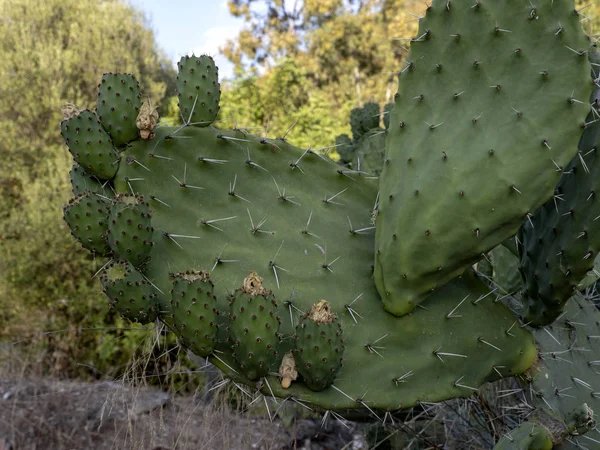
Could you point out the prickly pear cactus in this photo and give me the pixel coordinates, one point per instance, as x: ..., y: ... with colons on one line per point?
x: 364, y: 154
x: 197, y: 203
x: 467, y: 133
x: 228, y: 203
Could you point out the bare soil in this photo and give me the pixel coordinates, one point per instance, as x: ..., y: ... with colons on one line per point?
x: 42, y: 414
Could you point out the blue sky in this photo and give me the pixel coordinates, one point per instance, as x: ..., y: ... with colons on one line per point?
x: 186, y: 26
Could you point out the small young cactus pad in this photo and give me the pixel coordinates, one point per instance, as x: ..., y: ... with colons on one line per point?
x: 129, y: 292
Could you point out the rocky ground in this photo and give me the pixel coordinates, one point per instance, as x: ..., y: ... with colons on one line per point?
x: 50, y: 414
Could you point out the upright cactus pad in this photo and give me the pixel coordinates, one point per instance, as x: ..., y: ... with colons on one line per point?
x: 492, y: 93
x: 119, y: 102
x: 130, y: 229
x: 129, y: 292
x: 319, y: 351
x: 562, y: 239
x: 254, y: 329
x: 90, y: 145
x: 86, y: 216
x: 198, y: 90
x: 193, y: 311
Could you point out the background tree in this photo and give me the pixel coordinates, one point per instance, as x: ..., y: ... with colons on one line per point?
x: 311, y: 62
x: 55, y: 51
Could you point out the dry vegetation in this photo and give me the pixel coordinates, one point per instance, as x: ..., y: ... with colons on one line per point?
x: 38, y: 412
x: 132, y: 412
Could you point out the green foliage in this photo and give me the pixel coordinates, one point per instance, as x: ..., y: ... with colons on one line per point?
x: 312, y: 65
x: 51, y: 53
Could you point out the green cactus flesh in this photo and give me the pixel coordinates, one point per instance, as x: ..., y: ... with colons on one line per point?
x: 129, y: 292
x: 86, y: 216
x: 119, y: 102
x: 493, y: 92
x: 130, y: 229
x: 254, y: 329
x: 506, y: 275
x: 565, y: 382
x: 527, y: 436
x: 230, y: 203
x: 193, y: 311
x: 198, y: 90
x: 82, y: 182
x: 90, y: 145
x: 320, y: 347
x: 387, y: 114
x: 562, y: 239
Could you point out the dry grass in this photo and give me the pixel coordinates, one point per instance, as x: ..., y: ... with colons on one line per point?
x: 40, y: 412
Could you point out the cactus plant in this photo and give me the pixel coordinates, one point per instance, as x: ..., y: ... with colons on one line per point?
x: 387, y: 314
x: 468, y: 132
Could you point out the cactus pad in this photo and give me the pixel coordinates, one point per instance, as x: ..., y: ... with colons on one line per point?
x: 527, y: 436
x: 129, y: 292
x: 562, y: 240
x: 566, y: 376
x: 254, y: 328
x: 490, y: 95
x: 119, y: 102
x: 130, y: 229
x: 193, y: 311
x: 320, y: 347
x: 230, y: 203
x: 198, y: 90
x: 86, y: 216
x: 90, y: 145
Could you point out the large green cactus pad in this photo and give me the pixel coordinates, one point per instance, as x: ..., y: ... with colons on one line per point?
x: 230, y: 203
x: 494, y: 92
